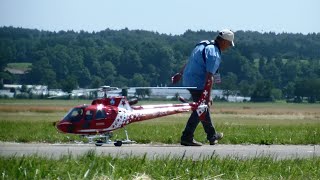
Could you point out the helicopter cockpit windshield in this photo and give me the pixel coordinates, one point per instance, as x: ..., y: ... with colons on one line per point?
x: 74, y: 115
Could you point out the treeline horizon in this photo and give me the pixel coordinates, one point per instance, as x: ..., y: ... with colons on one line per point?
x: 265, y: 66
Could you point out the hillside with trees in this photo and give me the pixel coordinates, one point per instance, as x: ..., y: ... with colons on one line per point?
x: 265, y: 66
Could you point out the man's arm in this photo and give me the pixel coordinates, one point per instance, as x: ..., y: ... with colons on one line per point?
x: 208, y: 87
x: 176, y: 78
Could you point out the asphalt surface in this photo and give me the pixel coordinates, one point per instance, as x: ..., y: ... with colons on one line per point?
x: 161, y: 150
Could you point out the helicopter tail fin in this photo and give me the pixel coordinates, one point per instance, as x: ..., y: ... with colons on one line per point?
x: 124, y: 103
x: 202, y: 105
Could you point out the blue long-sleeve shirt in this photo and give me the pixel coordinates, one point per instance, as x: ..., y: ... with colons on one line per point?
x: 194, y: 74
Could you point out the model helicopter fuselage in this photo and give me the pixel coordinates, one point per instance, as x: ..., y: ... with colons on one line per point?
x: 104, y: 115
x: 108, y: 114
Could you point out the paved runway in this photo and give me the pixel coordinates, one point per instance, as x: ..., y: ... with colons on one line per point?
x: 161, y: 150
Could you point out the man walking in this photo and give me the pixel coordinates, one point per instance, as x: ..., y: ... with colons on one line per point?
x: 200, y: 70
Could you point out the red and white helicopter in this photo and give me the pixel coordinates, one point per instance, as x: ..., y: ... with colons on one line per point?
x: 97, y: 120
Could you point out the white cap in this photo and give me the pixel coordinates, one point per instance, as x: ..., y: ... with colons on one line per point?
x: 227, y: 35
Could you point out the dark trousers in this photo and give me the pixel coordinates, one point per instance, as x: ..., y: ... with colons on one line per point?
x: 194, y: 120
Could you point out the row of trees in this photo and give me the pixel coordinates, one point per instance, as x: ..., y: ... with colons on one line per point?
x: 261, y: 65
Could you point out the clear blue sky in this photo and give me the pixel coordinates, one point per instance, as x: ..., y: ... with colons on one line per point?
x: 163, y: 16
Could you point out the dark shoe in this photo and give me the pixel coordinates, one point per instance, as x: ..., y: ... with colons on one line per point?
x: 216, y: 138
x: 190, y: 143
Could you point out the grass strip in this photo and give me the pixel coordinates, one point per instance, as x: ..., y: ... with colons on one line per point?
x: 93, y: 166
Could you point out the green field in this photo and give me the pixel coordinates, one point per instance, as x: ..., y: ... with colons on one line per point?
x: 242, y: 123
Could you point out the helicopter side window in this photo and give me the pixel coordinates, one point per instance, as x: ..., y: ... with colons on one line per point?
x: 75, y: 115
x: 89, y: 115
x: 101, y: 114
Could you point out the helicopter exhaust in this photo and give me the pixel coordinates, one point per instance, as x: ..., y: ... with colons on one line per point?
x: 133, y: 101
x: 181, y: 99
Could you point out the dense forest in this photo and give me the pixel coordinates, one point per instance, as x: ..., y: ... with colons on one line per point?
x: 265, y: 66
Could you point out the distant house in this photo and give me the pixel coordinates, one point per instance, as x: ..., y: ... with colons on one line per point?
x: 56, y: 93
x: 169, y: 93
x: 6, y: 93
x: 33, y: 89
x: 15, y: 71
x: 238, y: 99
x: 12, y: 86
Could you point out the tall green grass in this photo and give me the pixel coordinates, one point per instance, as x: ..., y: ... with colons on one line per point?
x: 93, y: 166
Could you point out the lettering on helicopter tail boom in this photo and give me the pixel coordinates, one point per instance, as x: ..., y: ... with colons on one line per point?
x: 201, y: 111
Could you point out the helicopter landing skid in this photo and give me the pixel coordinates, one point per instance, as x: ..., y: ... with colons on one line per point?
x: 101, y: 139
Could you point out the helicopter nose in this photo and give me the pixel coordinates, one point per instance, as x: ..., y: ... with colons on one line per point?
x: 59, y: 126
x: 55, y: 123
x: 62, y: 126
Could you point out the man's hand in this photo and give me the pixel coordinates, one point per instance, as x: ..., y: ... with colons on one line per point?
x: 210, y: 102
x: 176, y: 78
